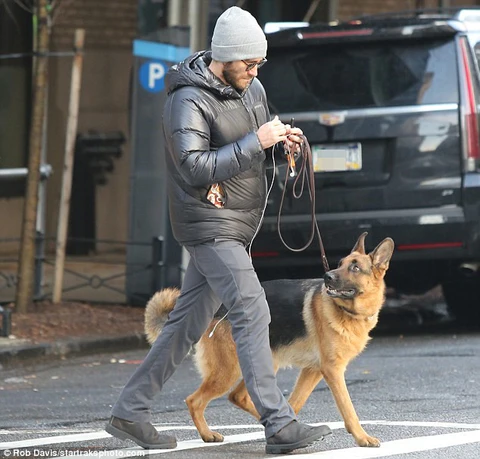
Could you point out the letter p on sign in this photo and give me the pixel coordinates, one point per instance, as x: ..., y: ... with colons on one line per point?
x: 152, y: 75
x: 157, y: 72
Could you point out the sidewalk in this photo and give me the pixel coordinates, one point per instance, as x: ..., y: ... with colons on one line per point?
x: 16, y: 352
x: 94, y: 279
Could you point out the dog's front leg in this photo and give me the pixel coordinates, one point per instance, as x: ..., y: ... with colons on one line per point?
x: 336, y: 381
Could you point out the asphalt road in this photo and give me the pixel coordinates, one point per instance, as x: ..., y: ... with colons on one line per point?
x: 418, y: 393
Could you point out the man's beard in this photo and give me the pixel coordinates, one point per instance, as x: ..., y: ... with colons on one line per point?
x: 231, y: 77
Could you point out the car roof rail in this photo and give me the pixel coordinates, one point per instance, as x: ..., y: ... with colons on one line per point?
x: 461, y: 13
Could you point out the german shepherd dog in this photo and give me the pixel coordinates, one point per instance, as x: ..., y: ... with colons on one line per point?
x: 317, y: 325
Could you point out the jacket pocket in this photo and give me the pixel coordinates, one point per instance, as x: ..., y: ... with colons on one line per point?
x: 216, y: 195
x: 260, y: 114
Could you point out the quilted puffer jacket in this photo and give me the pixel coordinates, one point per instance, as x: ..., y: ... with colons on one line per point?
x: 210, y: 131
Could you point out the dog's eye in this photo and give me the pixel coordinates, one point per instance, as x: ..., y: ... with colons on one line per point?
x: 355, y: 268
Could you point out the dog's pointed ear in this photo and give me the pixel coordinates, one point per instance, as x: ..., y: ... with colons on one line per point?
x: 360, y: 244
x: 382, y: 254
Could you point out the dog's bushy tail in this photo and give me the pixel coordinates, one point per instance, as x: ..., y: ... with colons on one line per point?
x: 157, y: 310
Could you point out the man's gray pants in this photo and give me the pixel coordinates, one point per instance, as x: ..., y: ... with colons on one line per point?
x: 218, y: 272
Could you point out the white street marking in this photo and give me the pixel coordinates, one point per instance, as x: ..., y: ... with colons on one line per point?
x: 53, y: 440
x: 396, y: 447
x: 446, y: 425
x: 390, y: 448
x: 43, y: 431
x: 185, y: 445
x: 58, y: 439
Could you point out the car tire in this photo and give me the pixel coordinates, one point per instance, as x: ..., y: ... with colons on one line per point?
x: 462, y: 295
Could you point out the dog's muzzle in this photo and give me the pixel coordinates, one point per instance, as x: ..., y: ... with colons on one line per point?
x: 347, y: 293
x: 335, y: 290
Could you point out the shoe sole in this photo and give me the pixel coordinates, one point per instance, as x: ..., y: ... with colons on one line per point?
x: 289, y: 447
x: 122, y: 435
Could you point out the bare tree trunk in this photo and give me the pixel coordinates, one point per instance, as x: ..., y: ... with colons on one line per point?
x: 72, y: 122
x: 26, y: 265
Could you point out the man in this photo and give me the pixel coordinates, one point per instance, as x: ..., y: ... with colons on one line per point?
x: 217, y: 128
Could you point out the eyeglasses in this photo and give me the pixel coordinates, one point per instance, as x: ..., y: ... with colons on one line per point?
x: 252, y: 65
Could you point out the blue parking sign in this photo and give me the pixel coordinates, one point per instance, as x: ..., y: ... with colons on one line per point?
x: 152, y: 75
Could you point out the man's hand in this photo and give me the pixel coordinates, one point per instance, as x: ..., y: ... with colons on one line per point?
x: 272, y: 132
x: 293, y: 142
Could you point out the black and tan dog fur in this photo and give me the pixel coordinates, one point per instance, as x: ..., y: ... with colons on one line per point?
x: 318, y: 326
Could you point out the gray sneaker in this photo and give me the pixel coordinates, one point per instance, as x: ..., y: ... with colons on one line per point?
x: 294, y: 436
x: 142, y: 433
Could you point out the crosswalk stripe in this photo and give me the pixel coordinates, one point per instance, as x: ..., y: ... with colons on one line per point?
x: 387, y: 449
x: 396, y: 447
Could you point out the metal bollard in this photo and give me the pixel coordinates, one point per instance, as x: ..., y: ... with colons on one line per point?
x: 158, y: 264
x: 39, y: 259
x: 6, y: 328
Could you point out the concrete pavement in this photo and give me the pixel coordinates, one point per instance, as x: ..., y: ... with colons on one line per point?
x: 14, y: 352
x: 399, y: 315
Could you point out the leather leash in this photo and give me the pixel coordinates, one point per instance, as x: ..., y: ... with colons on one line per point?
x: 306, y: 174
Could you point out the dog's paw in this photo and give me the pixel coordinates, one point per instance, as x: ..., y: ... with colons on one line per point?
x: 212, y: 437
x: 368, y: 441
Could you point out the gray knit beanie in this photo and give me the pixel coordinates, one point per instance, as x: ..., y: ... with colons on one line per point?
x: 237, y: 36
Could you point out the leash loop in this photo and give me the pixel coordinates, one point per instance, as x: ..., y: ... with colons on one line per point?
x: 305, y: 175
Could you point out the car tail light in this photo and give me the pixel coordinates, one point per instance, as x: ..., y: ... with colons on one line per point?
x: 472, y: 139
x: 265, y: 254
x: 427, y: 246
x: 334, y: 33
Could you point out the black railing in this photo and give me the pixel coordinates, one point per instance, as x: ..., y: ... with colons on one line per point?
x: 94, y: 277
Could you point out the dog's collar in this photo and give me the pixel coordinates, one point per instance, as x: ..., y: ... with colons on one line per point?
x: 355, y: 314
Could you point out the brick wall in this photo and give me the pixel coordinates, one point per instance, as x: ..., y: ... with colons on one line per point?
x: 109, y: 24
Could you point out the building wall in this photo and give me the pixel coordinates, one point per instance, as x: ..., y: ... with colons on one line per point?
x: 110, y: 26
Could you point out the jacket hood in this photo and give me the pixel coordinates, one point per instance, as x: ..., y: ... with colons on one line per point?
x: 194, y: 71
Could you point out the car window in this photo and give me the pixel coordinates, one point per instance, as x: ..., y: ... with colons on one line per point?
x: 358, y: 75
x: 476, y: 49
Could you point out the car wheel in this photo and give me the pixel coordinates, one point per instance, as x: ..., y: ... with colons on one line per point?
x: 462, y: 295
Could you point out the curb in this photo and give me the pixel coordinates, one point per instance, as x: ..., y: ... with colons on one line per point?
x: 34, y: 353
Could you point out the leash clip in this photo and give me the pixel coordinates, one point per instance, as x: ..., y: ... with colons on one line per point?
x: 291, y: 155
x: 291, y: 163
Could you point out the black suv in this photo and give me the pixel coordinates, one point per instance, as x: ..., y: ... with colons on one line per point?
x: 390, y: 107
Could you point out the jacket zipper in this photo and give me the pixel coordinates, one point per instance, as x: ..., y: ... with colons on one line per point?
x: 250, y: 115
x: 255, y: 126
